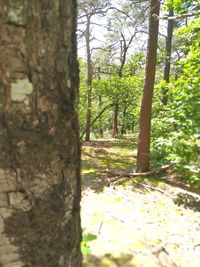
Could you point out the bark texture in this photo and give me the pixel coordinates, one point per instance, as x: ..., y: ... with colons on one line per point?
x: 143, y: 154
x: 39, y: 138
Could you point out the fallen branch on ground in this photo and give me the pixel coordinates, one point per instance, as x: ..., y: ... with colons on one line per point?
x: 136, y: 174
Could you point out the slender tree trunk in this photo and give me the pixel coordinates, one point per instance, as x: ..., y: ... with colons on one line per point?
x: 123, y: 53
x: 89, y: 114
x: 100, y: 105
x: 115, y: 121
x: 39, y: 138
x: 123, y: 129
x: 168, y: 55
x: 88, y: 82
x: 143, y: 154
x: 100, y: 119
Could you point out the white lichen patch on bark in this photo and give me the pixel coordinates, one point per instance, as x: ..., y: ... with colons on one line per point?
x: 21, y: 90
x: 69, y: 83
x: 15, y: 14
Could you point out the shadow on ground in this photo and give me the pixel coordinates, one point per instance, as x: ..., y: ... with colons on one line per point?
x: 125, y: 260
x: 178, y: 182
x: 97, y: 156
x: 188, y: 201
x: 119, y: 154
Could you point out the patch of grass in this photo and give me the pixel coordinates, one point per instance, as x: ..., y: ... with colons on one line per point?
x: 154, y: 181
x: 120, y: 155
x: 117, y: 155
x: 98, y: 156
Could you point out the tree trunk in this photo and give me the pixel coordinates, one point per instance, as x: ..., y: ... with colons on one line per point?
x: 143, y: 154
x: 100, y: 119
x: 39, y: 138
x: 168, y: 55
x: 115, y: 121
x: 100, y: 105
x: 89, y: 114
x: 88, y: 82
x: 123, y: 129
x: 123, y: 53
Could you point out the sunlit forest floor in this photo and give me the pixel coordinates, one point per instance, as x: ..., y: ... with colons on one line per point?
x: 157, y: 225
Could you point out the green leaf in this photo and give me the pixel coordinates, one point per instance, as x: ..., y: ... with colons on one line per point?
x: 85, y: 249
x: 89, y: 237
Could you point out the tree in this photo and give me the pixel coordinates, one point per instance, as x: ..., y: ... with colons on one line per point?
x: 176, y: 132
x: 110, y: 89
x: 88, y: 10
x: 110, y: 53
x: 143, y: 153
x: 124, y: 25
x: 168, y: 49
x: 39, y: 138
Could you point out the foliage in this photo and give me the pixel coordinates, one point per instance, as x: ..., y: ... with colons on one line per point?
x: 183, y: 6
x: 87, y: 237
x: 176, y: 128
x: 112, y: 88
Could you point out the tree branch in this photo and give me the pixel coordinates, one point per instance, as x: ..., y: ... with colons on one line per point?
x: 97, y: 117
x: 187, y: 15
x: 134, y: 174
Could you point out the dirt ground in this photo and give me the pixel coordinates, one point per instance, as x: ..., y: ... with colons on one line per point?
x: 150, y: 226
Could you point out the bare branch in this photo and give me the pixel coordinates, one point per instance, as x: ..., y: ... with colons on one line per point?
x: 182, y: 16
x: 155, y: 171
x: 97, y: 117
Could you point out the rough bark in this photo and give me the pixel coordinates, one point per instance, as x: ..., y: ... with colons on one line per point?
x: 143, y: 154
x: 39, y: 138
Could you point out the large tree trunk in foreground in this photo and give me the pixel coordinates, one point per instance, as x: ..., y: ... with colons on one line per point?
x: 39, y: 139
x: 143, y: 154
